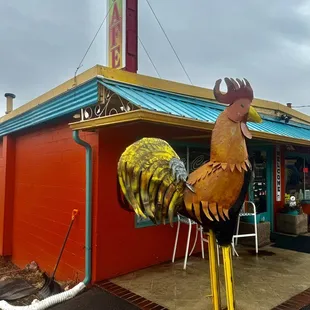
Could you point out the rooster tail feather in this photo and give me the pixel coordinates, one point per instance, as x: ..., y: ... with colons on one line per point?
x: 121, y: 198
x: 152, y: 178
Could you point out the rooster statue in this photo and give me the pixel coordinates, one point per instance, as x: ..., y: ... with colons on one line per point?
x: 156, y: 184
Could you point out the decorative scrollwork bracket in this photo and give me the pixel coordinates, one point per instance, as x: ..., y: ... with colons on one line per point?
x: 111, y: 104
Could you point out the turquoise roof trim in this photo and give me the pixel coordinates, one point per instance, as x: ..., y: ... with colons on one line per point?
x: 198, y: 109
x: 69, y: 102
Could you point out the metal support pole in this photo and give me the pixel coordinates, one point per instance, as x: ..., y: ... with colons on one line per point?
x: 214, y: 272
x: 229, y: 278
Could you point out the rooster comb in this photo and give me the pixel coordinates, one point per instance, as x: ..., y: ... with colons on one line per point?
x: 235, y: 90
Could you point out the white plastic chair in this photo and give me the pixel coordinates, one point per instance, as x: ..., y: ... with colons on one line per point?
x: 244, y: 213
x: 199, y: 229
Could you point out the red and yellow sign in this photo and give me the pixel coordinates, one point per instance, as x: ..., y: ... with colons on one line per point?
x: 115, y: 34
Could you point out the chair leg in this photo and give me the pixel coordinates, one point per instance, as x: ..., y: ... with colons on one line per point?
x: 229, y: 279
x: 255, y: 230
x: 234, y: 249
x: 237, y: 230
x: 214, y: 272
x: 201, y: 242
x: 218, y: 254
x: 187, y: 244
x: 176, y: 242
x: 194, y: 244
x: 233, y: 246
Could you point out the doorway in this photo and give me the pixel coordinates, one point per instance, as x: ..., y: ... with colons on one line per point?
x: 260, y: 189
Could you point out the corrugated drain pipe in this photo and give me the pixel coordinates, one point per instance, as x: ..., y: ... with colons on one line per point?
x: 56, y: 299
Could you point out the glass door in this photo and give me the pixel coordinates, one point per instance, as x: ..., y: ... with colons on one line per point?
x: 260, y: 189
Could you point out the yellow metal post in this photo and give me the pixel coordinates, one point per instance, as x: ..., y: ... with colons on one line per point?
x: 214, y: 272
x: 229, y: 278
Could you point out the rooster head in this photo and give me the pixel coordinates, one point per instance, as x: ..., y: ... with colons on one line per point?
x: 239, y: 97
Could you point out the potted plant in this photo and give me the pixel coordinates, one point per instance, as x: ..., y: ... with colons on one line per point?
x: 292, y: 205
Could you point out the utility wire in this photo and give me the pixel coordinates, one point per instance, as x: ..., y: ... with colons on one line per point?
x: 169, y: 42
x: 301, y: 106
x: 92, y: 41
x: 148, y: 55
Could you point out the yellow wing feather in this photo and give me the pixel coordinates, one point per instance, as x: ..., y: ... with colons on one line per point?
x: 149, y: 181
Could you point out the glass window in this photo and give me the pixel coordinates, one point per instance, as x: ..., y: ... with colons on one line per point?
x: 182, y: 152
x: 258, y: 187
x: 297, y: 178
x: 197, y: 157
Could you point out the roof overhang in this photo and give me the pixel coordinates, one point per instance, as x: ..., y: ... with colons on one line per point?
x: 142, y: 81
x: 190, y: 90
x: 141, y: 115
x: 171, y: 120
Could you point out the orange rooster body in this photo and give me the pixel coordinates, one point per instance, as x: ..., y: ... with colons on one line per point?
x: 156, y: 184
x: 218, y: 183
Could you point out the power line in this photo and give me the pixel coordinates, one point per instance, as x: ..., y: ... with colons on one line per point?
x: 148, y: 55
x: 92, y: 41
x: 169, y: 42
x: 301, y: 106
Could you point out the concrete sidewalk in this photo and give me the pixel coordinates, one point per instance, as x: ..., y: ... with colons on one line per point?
x: 262, y: 282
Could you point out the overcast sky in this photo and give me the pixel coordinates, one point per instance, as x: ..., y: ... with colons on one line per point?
x: 42, y: 43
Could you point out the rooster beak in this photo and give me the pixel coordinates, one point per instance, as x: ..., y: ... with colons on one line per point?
x: 253, y: 116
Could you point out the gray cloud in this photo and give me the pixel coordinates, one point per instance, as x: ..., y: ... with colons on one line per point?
x: 42, y: 43
x: 265, y: 41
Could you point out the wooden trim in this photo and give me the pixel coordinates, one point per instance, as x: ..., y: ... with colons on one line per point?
x: 278, y: 138
x: 261, y: 136
x: 160, y: 118
x: 141, y: 115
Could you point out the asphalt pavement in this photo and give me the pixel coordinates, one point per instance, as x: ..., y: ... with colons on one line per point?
x: 95, y: 299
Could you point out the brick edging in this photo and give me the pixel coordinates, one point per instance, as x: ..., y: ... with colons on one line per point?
x: 137, y: 300
x: 297, y: 302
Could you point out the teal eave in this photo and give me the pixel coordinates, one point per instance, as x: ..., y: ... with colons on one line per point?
x: 145, y: 98
x: 198, y: 109
x: 65, y: 104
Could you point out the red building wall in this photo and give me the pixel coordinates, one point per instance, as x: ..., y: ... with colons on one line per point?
x: 1, y: 174
x: 1, y: 170
x: 49, y: 184
x: 7, y: 194
x: 122, y: 248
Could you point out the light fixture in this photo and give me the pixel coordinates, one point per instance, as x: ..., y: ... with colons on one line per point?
x: 286, y: 118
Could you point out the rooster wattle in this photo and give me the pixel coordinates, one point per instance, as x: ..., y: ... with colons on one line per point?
x: 156, y: 184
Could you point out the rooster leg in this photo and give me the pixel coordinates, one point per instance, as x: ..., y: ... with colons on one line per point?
x: 229, y: 278
x: 214, y: 272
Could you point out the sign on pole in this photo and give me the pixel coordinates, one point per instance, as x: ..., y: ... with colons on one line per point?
x: 278, y: 173
x: 116, y: 33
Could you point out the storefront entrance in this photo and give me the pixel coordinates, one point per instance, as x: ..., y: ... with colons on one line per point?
x: 260, y: 189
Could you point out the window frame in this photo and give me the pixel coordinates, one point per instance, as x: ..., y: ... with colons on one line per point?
x: 304, y: 156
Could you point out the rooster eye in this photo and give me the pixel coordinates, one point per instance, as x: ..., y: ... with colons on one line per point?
x: 242, y: 105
